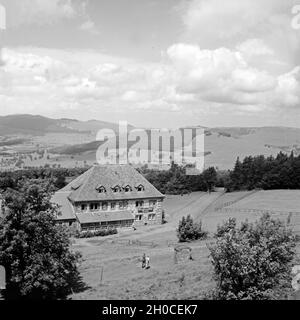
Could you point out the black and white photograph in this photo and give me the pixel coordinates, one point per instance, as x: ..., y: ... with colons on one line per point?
x: 149, y: 151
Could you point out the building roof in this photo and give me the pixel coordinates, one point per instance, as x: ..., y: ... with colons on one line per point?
x: 84, y: 188
x: 105, y: 216
x: 65, y: 207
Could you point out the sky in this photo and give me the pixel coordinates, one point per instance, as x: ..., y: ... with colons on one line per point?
x: 154, y: 63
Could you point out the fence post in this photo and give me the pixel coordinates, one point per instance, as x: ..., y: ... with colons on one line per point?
x: 101, y: 274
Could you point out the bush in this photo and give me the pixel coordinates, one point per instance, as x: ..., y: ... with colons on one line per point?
x: 188, y: 230
x: 253, y: 261
x: 97, y: 233
x: 226, y: 227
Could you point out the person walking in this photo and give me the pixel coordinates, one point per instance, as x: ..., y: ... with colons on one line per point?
x: 147, y: 262
x: 144, y: 261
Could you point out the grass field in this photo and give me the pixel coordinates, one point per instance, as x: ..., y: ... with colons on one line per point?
x: 117, y: 258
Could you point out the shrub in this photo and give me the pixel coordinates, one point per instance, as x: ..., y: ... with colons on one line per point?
x: 253, y: 261
x: 97, y: 233
x: 226, y: 227
x: 188, y: 230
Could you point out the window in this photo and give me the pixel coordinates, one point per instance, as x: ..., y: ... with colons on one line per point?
x: 94, y: 206
x: 127, y: 189
x: 138, y: 217
x: 90, y: 226
x: 151, y: 217
x: 116, y: 189
x: 139, y: 204
x: 101, y: 189
x: 152, y: 203
x: 104, y: 206
x: 123, y: 205
x: 113, y: 206
x: 140, y: 188
x: 83, y: 207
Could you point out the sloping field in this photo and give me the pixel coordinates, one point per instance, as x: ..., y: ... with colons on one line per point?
x: 278, y: 200
x: 231, y: 198
x: 119, y: 256
x: 176, y: 206
x: 123, y: 277
x: 281, y: 204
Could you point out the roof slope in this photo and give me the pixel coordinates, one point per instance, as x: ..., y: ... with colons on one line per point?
x: 66, y: 211
x: 84, y: 187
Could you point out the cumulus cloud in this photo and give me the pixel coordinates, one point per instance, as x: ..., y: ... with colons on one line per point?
x: 87, y: 82
x: 224, y: 76
x: 216, y: 23
x: 189, y: 80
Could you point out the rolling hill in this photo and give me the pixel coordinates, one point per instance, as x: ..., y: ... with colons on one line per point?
x: 224, y: 145
x: 39, y: 125
x: 70, y: 137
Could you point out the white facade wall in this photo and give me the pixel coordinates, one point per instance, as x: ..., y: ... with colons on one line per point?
x: 146, y: 214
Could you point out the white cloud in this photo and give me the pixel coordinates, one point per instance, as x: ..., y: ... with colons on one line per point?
x: 223, y: 75
x: 89, y: 26
x: 189, y: 81
x: 217, y: 23
x: 254, y: 47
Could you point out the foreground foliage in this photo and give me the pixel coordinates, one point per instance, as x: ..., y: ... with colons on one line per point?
x: 253, y: 261
x: 35, y: 252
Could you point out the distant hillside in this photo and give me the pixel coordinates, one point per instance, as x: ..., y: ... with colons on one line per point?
x: 91, y: 126
x: 30, y: 124
x: 70, y: 137
x: 224, y: 145
x: 39, y: 125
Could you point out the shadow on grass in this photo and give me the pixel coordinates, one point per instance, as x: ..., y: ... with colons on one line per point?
x: 77, y: 285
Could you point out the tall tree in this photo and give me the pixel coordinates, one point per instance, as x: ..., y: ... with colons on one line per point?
x: 33, y: 249
x: 210, y: 178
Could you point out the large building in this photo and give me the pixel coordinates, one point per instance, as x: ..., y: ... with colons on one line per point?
x: 109, y: 195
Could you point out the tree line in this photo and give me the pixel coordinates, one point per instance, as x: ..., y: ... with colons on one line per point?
x: 177, y: 181
x: 280, y: 172
x: 253, y: 172
x: 54, y: 179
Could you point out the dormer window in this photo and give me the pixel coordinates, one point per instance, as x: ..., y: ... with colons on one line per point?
x: 140, y: 188
x: 127, y: 188
x: 101, y: 189
x: 116, y: 189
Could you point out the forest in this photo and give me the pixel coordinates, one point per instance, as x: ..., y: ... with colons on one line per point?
x: 268, y: 173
